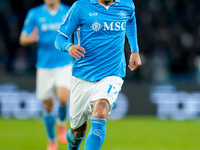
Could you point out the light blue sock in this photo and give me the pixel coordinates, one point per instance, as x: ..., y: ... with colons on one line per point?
x: 62, y: 111
x: 96, y: 134
x: 73, y: 142
x: 49, y: 121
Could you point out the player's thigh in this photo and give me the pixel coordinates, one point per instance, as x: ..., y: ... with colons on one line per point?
x: 85, y: 94
x: 80, y: 96
x: 44, y: 84
x: 62, y: 94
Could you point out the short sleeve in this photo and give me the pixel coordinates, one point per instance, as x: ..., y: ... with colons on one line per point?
x: 29, y: 22
x: 71, y: 22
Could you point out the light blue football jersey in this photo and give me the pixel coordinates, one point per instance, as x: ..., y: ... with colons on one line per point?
x: 101, y: 31
x: 47, y: 55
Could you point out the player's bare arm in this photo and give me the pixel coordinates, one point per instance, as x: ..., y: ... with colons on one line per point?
x: 134, y: 61
x: 29, y: 39
x: 76, y: 51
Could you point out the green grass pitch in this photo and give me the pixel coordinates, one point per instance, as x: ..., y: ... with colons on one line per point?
x: 130, y: 133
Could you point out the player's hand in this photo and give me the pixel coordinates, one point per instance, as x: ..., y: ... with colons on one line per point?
x: 134, y: 61
x: 76, y: 51
x: 34, y: 35
x: 26, y: 39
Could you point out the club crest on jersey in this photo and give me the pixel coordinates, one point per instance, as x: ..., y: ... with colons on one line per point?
x: 123, y: 14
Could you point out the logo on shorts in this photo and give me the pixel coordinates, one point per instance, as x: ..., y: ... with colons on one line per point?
x: 97, y: 132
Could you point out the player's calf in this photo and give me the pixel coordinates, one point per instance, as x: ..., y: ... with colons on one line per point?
x: 49, y: 119
x: 75, y: 137
x: 73, y: 142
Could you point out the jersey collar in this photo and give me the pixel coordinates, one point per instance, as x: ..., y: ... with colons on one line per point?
x: 96, y: 2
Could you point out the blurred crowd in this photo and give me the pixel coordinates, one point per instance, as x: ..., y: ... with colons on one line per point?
x: 168, y: 33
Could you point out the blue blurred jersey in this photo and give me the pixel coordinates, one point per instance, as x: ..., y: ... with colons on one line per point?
x: 101, y: 31
x: 48, y: 23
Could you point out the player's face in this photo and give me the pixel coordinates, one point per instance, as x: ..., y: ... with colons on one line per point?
x: 51, y: 2
x: 107, y: 1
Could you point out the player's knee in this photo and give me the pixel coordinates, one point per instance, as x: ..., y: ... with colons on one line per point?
x: 100, y: 114
x: 102, y: 108
x: 48, y: 105
x: 62, y: 99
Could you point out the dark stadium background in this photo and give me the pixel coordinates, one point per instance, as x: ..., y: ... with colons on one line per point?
x: 168, y: 36
x: 159, y: 105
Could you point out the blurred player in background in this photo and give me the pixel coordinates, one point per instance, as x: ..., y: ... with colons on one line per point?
x: 100, y: 63
x: 53, y: 66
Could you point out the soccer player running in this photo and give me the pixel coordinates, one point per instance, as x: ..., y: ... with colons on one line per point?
x: 53, y: 67
x: 97, y: 72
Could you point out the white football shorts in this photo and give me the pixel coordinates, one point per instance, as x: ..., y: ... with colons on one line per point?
x: 47, y: 80
x: 85, y: 93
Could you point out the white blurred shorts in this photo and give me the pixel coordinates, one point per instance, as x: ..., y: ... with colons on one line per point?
x: 85, y: 93
x: 47, y: 80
